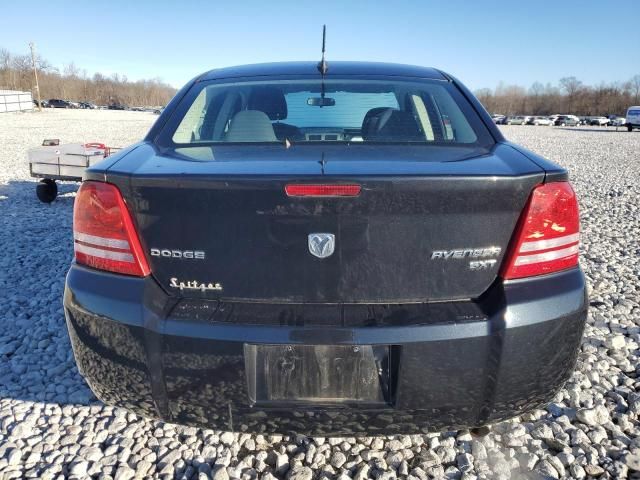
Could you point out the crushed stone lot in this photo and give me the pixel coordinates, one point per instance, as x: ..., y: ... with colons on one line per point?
x: 51, y: 426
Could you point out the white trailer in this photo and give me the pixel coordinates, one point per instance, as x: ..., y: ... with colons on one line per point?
x: 53, y: 161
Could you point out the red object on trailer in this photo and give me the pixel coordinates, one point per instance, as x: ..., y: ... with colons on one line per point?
x: 101, y: 146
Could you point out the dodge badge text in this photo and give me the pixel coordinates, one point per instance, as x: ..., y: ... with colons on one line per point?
x: 189, y: 254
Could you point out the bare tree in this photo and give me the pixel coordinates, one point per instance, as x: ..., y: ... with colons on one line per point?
x: 75, y: 84
x: 634, y: 85
x: 570, y: 96
x: 7, y: 79
x: 536, y: 97
x: 485, y: 96
x: 572, y: 87
x: 71, y: 71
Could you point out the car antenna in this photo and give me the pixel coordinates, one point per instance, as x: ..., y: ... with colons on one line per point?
x: 322, y: 65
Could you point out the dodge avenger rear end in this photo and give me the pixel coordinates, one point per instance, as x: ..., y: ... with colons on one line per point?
x: 356, y: 250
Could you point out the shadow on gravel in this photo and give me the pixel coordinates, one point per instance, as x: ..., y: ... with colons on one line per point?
x: 22, y: 189
x: 36, y: 361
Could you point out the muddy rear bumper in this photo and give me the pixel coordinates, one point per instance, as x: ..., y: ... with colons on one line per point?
x: 449, y: 370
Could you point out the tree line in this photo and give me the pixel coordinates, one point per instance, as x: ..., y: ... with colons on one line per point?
x: 74, y: 84
x: 570, y: 96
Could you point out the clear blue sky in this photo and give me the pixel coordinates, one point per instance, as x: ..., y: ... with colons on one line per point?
x: 483, y: 42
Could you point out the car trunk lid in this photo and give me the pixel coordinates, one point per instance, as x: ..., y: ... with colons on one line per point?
x: 421, y: 229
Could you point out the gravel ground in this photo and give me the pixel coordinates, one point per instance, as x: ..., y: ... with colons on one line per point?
x: 51, y: 426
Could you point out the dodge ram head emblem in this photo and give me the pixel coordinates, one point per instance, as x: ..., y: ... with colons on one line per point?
x: 322, y: 245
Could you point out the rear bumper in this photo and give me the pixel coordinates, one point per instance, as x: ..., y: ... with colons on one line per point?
x: 511, y: 357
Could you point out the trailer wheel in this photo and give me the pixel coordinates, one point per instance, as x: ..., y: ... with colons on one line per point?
x: 629, y: 128
x: 47, y: 190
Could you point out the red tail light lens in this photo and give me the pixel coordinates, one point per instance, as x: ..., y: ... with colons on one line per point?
x: 322, y: 190
x: 103, y: 232
x: 547, y: 236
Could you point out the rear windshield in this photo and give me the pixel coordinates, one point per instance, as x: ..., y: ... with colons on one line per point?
x: 333, y: 111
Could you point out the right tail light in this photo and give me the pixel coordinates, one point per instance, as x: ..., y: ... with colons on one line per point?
x: 547, y: 236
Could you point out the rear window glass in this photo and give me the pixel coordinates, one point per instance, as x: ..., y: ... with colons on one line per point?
x: 349, y: 110
x: 336, y: 110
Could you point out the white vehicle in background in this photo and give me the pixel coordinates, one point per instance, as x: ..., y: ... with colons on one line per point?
x: 539, y: 120
x: 633, y: 118
x: 600, y: 121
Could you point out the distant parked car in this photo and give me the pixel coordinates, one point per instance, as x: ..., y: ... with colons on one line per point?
x: 599, y: 121
x: 57, y: 103
x: 567, y: 121
x: 158, y: 111
x: 117, y: 106
x: 633, y: 118
x: 517, y: 120
x: 88, y: 105
x: 43, y: 103
x: 616, y: 121
x: 539, y: 120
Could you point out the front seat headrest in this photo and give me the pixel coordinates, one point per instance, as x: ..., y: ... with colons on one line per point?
x: 371, y: 121
x: 269, y: 100
x: 250, y: 126
x: 396, y: 126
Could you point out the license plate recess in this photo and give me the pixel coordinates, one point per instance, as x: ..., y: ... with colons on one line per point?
x: 318, y: 374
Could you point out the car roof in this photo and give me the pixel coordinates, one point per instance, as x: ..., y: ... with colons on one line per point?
x: 335, y: 68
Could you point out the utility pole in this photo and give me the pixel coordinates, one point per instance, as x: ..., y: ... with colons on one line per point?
x: 35, y: 73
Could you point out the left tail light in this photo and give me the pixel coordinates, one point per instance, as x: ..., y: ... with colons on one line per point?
x: 104, y: 235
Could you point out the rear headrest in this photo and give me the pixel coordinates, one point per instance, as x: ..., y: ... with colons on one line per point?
x: 250, y: 126
x: 269, y: 100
